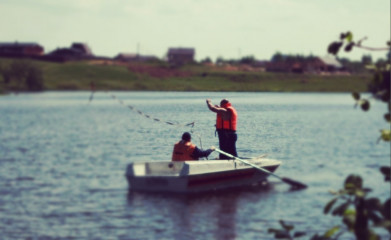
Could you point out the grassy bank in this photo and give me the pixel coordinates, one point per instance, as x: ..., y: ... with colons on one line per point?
x: 158, y: 77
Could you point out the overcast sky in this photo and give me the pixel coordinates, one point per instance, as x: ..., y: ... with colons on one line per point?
x: 215, y: 28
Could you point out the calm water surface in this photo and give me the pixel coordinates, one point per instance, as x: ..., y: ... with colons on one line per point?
x: 63, y: 159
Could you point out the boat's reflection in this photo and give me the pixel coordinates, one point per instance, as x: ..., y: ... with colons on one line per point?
x: 210, y: 213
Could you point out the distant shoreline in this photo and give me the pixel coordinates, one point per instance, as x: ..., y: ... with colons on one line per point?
x: 82, y: 75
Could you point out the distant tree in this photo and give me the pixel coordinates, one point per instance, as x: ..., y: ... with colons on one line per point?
x: 220, y: 60
x: 23, y: 75
x: 34, y: 79
x: 247, y: 60
x: 206, y: 60
x: 366, y: 59
x: 278, y: 57
x: 352, y: 66
x: 4, y: 72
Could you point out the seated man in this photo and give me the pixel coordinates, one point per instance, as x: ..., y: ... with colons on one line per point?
x: 184, y: 150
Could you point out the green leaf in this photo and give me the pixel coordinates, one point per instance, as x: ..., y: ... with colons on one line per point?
x: 334, y: 47
x: 331, y: 232
x: 349, y: 186
x: 349, y: 47
x: 359, y: 193
x: 279, y: 234
x: 386, y: 171
x: 340, y: 210
x: 373, y: 236
x: 349, y: 213
x: 356, y: 96
x: 387, y: 117
x: 350, y: 189
x: 364, y: 104
x: 329, y: 205
x: 386, y: 135
x: 353, y: 181
x: 386, y: 225
x: 349, y: 36
x: 373, y: 204
x: 317, y: 237
x: 386, y: 210
x: 349, y: 220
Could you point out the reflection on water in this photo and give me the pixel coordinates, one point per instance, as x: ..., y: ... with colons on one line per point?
x: 210, y: 215
x: 63, y: 160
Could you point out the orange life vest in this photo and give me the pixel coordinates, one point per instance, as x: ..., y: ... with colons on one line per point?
x: 227, y: 124
x: 182, y: 151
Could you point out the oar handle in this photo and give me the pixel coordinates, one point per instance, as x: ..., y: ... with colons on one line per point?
x: 292, y: 183
x: 244, y: 161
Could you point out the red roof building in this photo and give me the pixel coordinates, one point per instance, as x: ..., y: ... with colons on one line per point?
x: 180, y: 56
x: 17, y: 49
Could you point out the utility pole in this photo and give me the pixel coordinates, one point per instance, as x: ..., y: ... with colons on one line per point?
x: 138, y: 50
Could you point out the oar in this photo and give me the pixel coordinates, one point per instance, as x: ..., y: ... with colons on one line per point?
x: 293, y: 183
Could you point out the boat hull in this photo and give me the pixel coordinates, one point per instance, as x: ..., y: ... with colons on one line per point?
x: 196, y: 176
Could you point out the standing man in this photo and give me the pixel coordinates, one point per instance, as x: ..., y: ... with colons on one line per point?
x: 225, y: 126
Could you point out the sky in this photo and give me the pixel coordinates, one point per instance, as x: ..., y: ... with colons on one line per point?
x: 230, y: 29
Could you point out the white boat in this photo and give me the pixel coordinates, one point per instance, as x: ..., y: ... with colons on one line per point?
x: 197, y: 176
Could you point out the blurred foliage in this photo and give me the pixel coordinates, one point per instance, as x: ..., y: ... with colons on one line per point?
x: 379, y: 87
x: 285, y: 232
x: 361, y: 215
x: 279, y: 57
x: 244, y: 60
x: 367, y: 213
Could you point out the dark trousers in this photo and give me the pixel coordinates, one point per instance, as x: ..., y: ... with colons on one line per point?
x: 227, y: 142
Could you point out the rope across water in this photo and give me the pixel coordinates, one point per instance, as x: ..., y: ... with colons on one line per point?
x: 191, y: 124
x: 171, y: 123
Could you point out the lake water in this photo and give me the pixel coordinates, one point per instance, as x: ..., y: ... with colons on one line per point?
x: 63, y: 159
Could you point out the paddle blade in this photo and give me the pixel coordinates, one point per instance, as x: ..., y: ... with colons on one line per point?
x: 294, y: 184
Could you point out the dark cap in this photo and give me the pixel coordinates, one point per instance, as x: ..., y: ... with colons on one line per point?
x: 186, y: 137
x: 224, y: 101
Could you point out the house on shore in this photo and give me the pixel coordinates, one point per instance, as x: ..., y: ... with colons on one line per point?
x: 83, y: 48
x: 77, y: 51
x: 327, y: 64
x: 131, y: 57
x: 312, y: 65
x: 17, y: 49
x: 180, y: 56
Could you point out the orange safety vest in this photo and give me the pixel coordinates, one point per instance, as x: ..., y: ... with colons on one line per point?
x: 227, y: 124
x: 182, y: 151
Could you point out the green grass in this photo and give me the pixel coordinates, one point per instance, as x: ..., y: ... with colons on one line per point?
x: 79, y: 74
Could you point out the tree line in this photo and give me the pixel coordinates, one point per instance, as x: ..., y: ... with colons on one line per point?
x: 22, y: 76
x: 352, y: 65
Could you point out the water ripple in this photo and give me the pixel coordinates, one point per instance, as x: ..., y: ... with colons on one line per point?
x: 63, y: 162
